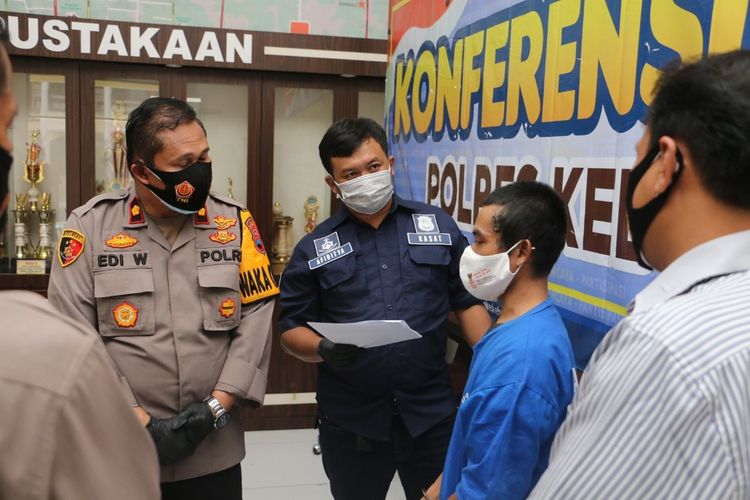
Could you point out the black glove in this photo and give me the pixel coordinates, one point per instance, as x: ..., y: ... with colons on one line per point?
x: 172, y: 444
x: 338, y: 355
x: 200, y: 422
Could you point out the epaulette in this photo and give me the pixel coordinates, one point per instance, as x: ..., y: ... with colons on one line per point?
x: 108, y: 196
x: 227, y: 200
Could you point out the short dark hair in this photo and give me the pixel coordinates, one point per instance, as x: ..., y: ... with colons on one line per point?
x: 151, y: 117
x: 706, y: 103
x: 345, y: 136
x: 531, y: 210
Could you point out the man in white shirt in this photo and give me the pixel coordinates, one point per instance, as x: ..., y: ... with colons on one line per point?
x: 663, y: 409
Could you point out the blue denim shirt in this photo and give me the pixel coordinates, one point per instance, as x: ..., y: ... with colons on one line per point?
x: 382, y: 277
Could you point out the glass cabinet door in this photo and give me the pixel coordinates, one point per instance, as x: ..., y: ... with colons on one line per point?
x: 36, y: 209
x: 113, y: 101
x: 223, y: 110
x: 301, y: 117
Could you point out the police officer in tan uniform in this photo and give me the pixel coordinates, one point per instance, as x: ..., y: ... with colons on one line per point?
x: 177, y: 283
x: 65, y: 428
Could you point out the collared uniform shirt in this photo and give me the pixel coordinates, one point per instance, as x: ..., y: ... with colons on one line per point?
x: 520, y: 384
x: 663, y: 410
x: 178, y: 320
x: 66, y: 429
x: 346, y: 271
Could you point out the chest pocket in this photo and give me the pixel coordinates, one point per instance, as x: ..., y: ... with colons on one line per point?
x: 220, y: 297
x: 428, y: 265
x: 124, y: 302
x: 341, y: 281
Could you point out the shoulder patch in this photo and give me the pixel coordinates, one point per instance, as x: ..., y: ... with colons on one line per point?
x: 70, y: 246
x: 256, y: 279
x: 104, y: 197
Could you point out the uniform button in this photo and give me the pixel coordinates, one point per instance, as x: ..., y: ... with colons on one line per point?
x: 390, y: 307
x: 384, y: 266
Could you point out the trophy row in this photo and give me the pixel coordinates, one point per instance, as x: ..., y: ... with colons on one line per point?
x: 32, y: 212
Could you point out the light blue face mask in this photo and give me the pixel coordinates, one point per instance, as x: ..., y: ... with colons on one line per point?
x: 367, y: 194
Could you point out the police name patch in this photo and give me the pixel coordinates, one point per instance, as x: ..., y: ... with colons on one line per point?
x: 428, y: 232
x: 429, y: 239
x: 329, y: 257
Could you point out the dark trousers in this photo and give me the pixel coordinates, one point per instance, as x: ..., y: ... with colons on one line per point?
x: 222, y: 485
x: 362, y: 469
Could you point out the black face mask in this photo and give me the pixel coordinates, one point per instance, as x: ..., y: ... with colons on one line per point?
x: 639, y: 219
x: 6, y: 160
x: 184, y: 191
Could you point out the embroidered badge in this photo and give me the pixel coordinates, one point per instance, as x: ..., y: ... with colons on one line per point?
x: 226, y: 308
x: 136, y: 214
x: 224, y: 222
x: 428, y: 232
x: 328, y: 248
x: 257, y: 240
x: 201, y: 217
x: 223, y: 237
x: 125, y: 315
x: 121, y: 240
x: 184, y: 190
x: 326, y: 244
x: 70, y: 246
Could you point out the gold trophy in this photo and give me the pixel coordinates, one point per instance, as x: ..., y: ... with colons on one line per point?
x: 121, y: 177
x: 33, y: 171
x: 20, y: 215
x: 311, y: 213
x: 33, y: 206
x: 282, y: 239
x: 46, y: 214
x: 230, y: 187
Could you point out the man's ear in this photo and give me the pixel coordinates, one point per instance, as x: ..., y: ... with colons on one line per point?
x: 521, y: 254
x: 139, y: 172
x: 391, y: 161
x: 332, y: 185
x: 666, y: 164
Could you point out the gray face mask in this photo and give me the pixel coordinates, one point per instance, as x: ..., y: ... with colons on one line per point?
x: 367, y: 194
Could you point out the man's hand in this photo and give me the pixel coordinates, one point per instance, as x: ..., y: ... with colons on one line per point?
x: 337, y: 355
x: 199, y: 422
x: 170, y: 438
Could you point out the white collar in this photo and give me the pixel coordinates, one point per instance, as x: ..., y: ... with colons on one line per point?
x: 724, y: 255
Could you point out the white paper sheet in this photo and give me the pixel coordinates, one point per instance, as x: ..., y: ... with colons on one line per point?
x: 366, y: 333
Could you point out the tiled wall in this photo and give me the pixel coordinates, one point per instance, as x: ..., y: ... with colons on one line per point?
x: 351, y: 18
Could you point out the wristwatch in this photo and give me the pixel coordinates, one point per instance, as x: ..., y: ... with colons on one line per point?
x: 221, y: 414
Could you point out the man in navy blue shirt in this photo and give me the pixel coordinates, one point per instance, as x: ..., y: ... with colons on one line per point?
x: 521, y: 378
x: 379, y: 257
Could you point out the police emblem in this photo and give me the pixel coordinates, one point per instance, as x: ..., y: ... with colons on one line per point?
x: 184, y: 190
x: 125, y: 315
x: 428, y: 232
x: 223, y: 237
x: 327, y: 243
x: 224, y: 222
x: 70, y: 247
x: 201, y: 217
x: 226, y: 308
x: 426, y: 223
x: 257, y: 240
x: 136, y: 214
x: 121, y: 240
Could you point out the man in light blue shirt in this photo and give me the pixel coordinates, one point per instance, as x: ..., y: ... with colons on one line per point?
x: 522, y: 374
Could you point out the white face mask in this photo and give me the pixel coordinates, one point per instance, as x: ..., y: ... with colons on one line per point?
x: 367, y: 194
x: 486, y: 277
